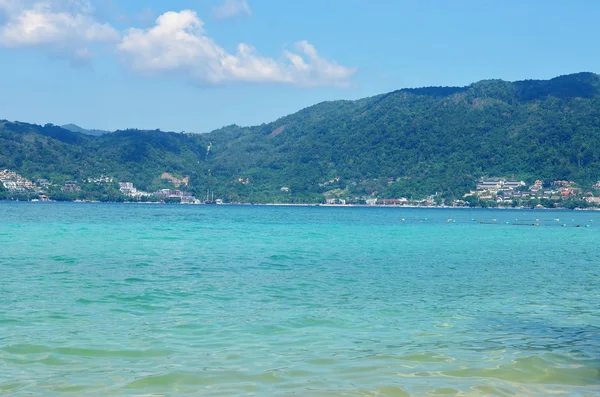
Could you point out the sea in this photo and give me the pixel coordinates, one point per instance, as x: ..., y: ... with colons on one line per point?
x: 224, y: 300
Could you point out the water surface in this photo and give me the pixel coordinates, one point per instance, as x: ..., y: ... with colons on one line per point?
x: 140, y: 300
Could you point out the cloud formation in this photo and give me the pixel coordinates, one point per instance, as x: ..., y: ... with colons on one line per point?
x: 66, y: 27
x: 178, y: 44
x: 231, y: 9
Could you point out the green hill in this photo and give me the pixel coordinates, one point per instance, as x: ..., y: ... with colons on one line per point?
x: 410, y: 142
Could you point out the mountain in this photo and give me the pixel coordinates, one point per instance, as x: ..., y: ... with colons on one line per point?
x: 435, y: 139
x: 76, y: 128
x: 409, y: 142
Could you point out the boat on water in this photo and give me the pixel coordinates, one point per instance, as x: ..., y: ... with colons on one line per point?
x: 212, y: 200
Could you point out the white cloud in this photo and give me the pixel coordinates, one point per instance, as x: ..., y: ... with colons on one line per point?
x: 177, y: 43
x: 60, y: 26
x: 232, y: 8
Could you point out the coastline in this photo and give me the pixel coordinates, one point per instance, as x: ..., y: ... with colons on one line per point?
x: 310, y: 205
x: 415, y: 207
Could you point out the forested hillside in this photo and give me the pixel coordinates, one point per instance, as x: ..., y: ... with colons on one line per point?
x: 410, y: 142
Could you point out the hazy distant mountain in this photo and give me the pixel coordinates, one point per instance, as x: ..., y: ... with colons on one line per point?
x: 76, y: 128
x: 409, y: 142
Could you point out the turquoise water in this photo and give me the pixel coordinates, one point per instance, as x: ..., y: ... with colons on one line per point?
x: 155, y: 300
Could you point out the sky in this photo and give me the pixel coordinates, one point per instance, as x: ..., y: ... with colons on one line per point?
x: 198, y: 65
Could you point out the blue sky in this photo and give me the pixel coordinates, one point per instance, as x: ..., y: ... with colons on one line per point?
x: 197, y: 65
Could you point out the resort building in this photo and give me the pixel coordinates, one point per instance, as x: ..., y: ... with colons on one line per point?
x: 14, y: 182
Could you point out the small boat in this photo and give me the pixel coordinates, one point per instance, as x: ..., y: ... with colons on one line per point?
x: 212, y: 199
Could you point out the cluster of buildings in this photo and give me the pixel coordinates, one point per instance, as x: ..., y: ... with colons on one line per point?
x: 387, y: 202
x: 497, y: 185
x: 403, y: 201
x: 330, y: 182
x: 176, y: 195
x: 429, y: 201
x: 506, y: 191
x: 129, y: 190
x: 502, y: 191
x: 15, y: 183
x: 101, y: 180
x: 335, y: 201
x: 71, y: 187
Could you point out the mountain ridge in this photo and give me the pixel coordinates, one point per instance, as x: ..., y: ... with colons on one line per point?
x: 76, y: 128
x: 428, y: 139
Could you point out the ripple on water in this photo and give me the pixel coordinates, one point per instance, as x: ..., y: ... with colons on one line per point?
x: 27, y: 349
x: 85, y: 301
x: 183, y: 380
x: 70, y: 388
x: 13, y: 387
x: 9, y: 321
x: 64, y: 259
x: 49, y: 360
x: 445, y: 391
x: 537, y: 370
x: 426, y: 358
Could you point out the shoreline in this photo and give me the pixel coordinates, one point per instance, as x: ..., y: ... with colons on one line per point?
x: 427, y: 207
x: 440, y: 207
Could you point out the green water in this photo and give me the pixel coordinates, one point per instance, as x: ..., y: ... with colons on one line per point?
x: 155, y: 300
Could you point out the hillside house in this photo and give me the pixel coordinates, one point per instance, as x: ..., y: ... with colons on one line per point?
x: 71, y: 186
